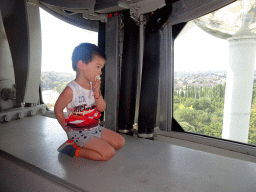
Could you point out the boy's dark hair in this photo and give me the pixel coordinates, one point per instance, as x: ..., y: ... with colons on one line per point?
x: 85, y: 52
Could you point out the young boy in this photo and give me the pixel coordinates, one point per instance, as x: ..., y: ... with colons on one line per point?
x: 84, y: 102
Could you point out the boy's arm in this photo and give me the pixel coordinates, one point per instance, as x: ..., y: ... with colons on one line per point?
x: 64, y: 99
x: 100, y: 102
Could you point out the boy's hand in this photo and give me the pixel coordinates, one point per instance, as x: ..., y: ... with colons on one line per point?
x: 100, y: 102
x: 96, y: 87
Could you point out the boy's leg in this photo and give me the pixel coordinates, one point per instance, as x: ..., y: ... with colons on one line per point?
x: 96, y: 149
x: 114, y: 139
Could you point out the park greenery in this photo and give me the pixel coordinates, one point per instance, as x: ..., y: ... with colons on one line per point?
x: 200, y: 110
x: 56, y: 81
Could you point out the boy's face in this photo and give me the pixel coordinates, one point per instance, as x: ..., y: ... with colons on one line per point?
x: 93, y: 69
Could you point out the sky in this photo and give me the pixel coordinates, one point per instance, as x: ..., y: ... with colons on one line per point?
x: 58, y: 41
x: 195, y: 50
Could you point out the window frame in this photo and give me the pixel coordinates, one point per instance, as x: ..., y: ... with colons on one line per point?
x: 165, y: 120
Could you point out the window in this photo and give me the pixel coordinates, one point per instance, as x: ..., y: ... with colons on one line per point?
x: 208, y: 74
x: 58, y: 41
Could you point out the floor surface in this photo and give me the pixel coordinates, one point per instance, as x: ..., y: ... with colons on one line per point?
x: 141, y: 165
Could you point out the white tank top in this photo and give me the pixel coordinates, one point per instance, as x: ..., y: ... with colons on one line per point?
x: 83, y: 99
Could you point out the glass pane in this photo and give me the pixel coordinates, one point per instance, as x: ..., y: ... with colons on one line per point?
x: 209, y: 68
x: 58, y: 41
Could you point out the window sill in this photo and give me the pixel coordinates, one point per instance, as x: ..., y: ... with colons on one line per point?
x: 243, y: 148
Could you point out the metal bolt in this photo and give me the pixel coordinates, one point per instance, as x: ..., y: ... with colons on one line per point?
x: 32, y: 113
x: 43, y: 110
x: 7, y: 118
x: 21, y: 115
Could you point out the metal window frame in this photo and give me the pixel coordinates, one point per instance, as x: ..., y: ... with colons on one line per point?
x: 166, y: 73
x: 166, y: 79
x: 184, y: 10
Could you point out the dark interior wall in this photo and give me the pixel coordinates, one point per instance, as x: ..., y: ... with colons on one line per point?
x: 150, y: 81
x: 112, y: 72
x: 129, y: 71
x: 7, y: 8
x: 151, y: 67
x: 101, y: 45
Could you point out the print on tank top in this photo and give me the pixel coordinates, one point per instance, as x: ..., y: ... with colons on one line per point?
x: 82, y: 112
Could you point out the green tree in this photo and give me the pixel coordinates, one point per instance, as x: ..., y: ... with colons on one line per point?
x: 203, y: 114
x: 187, y: 127
x: 59, y: 88
x: 201, y: 93
x: 50, y: 80
x: 215, y: 127
x: 193, y: 95
x: 182, y: 93
x: 185, y: 115
x: 252, y: 126
x: 47, y: 83
x: 186, y: 91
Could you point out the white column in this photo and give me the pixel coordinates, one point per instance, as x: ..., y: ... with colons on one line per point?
x: 34, y: 57
x: 239, y: 85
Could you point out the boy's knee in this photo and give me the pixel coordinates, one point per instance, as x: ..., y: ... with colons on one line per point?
x: 120, y: 143
x: 109, y: 154
x: 112, y: 152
